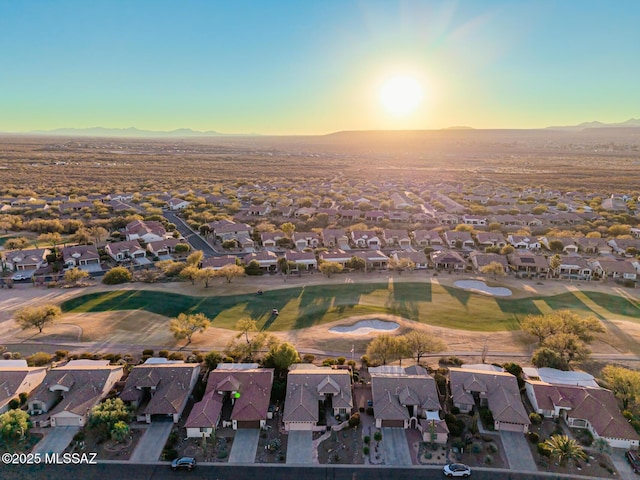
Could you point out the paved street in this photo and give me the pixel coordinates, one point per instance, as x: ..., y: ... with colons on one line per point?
x: 245, y: 444
x: 299, y: 448
x: 152, y: 442
x: 56, y: 439
x: 396, y: 447
x: 192, y: 237
x: 517, y: 451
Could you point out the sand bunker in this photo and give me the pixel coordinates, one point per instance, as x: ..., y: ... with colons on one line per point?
x: 481, y: 287
x: 365, y: 326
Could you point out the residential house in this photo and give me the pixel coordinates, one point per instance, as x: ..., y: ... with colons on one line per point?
x: 25, y: 260
x: 270, y: 239
x: 302, y: 260
x: 84, y: 257
x: 447, y: 260
x: 399, y: 216
x: 336, y: 256
x: 569, y: 246
x: 160, y: 388
x: 146, y: 231
x: 17, y: 377
x: 244, y: 387
x: 308, y: 386
x: 613, y: 268
x: 125, y: 251
x: 267, y: 260
x: 480, y: 259
x: 419, y: 259
x: 456, y: 239
x: 177, y: 204
x: 528, y: 263
x: 620, y: 245
x: 407, y: 398
x: 216, y: 263
x: 226, y: 230
x: 346, y: 214
x: 163, y: 248
x: 374, y: 260
x: 474, y: 220
x: 614, y: 204
x: 396, y: 238
x: 427, y: 238
x: 523, y: 242
x: 498, y: 391
x: 490, y: 239
x: 302, y: 240
x: 68, y: 393
x: 574, y: 267
x: 374, y: 216
x: 335, y: 237
x: 365, y: 239
x: 595, y: 409
x: 258, y: 210
x: 592, y: 246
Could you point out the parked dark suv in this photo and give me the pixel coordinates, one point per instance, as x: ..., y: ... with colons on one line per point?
x: 634, y: 460
x: 183, y: 463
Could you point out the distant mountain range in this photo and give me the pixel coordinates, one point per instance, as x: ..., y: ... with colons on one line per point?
x: 124, y: 132
x: 631, y: 123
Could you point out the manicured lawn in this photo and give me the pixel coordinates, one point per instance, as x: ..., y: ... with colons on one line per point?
x: 302, y: 307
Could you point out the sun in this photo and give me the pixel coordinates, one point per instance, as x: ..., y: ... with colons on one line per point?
x: 400, y: 96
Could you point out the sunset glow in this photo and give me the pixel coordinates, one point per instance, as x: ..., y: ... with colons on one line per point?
x: 400, y: 96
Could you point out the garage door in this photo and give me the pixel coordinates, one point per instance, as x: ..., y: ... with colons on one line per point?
x: 393, y: 423
x: 511, y: 427
x: 249, y: 424
x: 66, y: 422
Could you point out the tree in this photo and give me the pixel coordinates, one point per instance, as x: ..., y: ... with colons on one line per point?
x: 182, y: 248
x: 17, y: 243
x: 253, y: 268
x: 624, y: 383
x: 186, y: 325
x: 120, y: 431
x: 540, y: 326
x: 356, y: 263
x: 568, y: 345
x: 282, y: 356
x: 565, y: 449
x: 74, y: 275
x: 14, y: 425
x: 229, y: 272
x: 246, y: 325
x: 37, y: 317
x: 52, y: 238
x: 421, y: 343
x: 206, y: 274
x: 212, y: 359
x: 98, y: 234
x: 384, y: 348
x: 401, y: 264
x: 554, y: 263
x: 288, y: 228
x: 493, y: 268
x: 329, y: 268
x: 105, y: 415
x: 507, y: 250
x: 195, y: 258
x: 545, y: 357
x: 116, y: 276
x: 190, y: 272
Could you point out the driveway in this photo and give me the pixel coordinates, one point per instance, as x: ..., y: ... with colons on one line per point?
x: 300, y: 447
x: 621, y: 464
x: 396, y: 447
x: 517, y: 451
x: 197, y: 242
x: 152, y: 442
x: 56, y: 440
x: 245, y: 444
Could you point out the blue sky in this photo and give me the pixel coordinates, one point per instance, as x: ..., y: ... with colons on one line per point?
x: 313, y: 67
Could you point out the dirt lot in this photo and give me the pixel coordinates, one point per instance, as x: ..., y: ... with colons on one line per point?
x: 106, y: 450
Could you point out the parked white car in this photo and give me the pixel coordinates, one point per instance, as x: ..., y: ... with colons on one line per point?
x: 456, y: 470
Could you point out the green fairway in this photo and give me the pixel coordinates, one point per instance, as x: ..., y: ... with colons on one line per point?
x: 302, y: 307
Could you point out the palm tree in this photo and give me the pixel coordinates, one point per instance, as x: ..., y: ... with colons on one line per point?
x: 564, y: 449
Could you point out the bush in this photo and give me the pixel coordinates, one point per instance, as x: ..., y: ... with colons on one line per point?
x: 23, y: 397
x: 39, y: 359
x: 148, y: 351
x: 377, y: 436
x: 365, y: 450
x: 182, y: 248
x: 328, y: 362
x: 116, y: 276
x: 341, y: 360
x: 367, y: 439
x: 170, y: 454
x: 354, y: 420
x: 370, y: 411
x: 455, y: 410
x: 60, y: 354
x: 79, y: 436
x: 476, y: 448
x: 488, y: 460
x: 533, y: 437
x: 222, y: 454
x: 308, y: 358
x: 492, y: 448
x: 14, y: 403
x: 176, y: 356
x: 455, y: 425
x: 365, y: 361
x: 487, y: 418
x: 543, y: 450
x: 535, y: 418
x: 163, y: 353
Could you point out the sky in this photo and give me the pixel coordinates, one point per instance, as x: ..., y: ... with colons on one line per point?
x: 316, y: 66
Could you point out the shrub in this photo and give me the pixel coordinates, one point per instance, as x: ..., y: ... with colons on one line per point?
x: 39, y: 359
x: 60, y: 354
x: 544, y: 450
x: 365, y: 361
x: 365, y: 450
x: 148, y: 351
x: 176, y: 356
x: 535, y: 418
x: 354, y: 420
x: 533, y: 437
x: 308, y: 358
x: 377, y: 436
x: 488, y: 460
x: 328, y: 362
x: 170, y: 454
x: 370, y: 411
x: 455, y: 425
x: 163, y: 353
x: 487, y: 418
x: 79, y: 436
x: 222, y: 454
x: 341, y: 360
x: 116, y: 276
x: 492, y: 448
x: 23, y: 397
x: 182, y: 248
x: 476, y: 448
x: 367, y: 439
x: 14, y: 403
x: 455, y: 410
